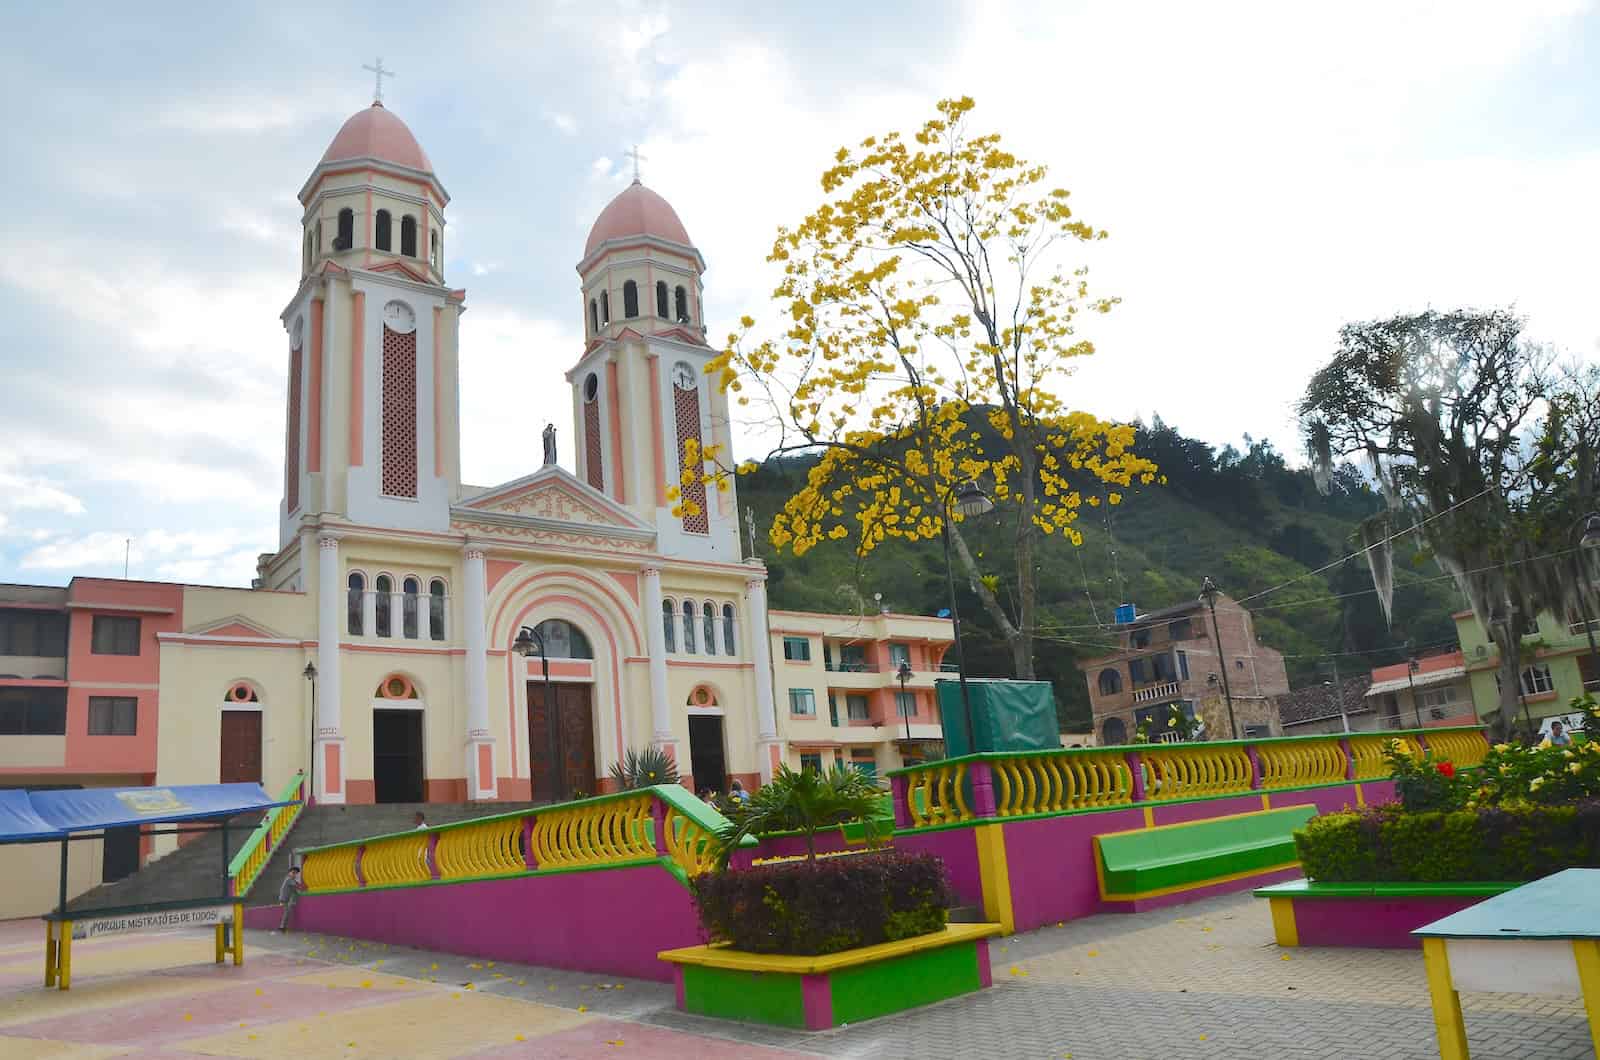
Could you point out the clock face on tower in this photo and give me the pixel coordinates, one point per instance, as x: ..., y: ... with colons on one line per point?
x: 683, y: 375
x: 398, y: 317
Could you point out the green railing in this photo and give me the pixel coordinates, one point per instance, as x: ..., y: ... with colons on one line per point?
x: 665, y: 823
x: 1030, y: 783
x: 247, y: 864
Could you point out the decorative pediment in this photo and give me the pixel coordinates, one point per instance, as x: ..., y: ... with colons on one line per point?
x: 402, y: 268
x: 235, y: 626
x: 552, y: 496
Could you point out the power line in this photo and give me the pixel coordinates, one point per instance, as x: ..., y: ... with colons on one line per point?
x: 1353, y: 555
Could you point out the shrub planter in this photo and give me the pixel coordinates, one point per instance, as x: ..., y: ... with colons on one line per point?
x: 832, y: 989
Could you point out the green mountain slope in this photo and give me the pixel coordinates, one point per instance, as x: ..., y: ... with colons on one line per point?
x: 1242, y: 518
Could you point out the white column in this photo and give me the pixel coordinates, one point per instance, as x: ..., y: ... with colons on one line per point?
x: 396, y: 612
x: 329, y: 741
x: 760, y: 638
x: 656, y: 638
x: 369, y: 613
x: 480, y: 745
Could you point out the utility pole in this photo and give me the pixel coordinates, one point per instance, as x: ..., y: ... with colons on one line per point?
x: 1338, y: 693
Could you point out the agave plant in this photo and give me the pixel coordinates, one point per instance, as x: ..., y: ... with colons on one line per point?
x: 644, y: 769
x: 804, y: 802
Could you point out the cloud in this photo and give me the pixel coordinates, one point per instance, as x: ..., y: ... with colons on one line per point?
x: 179, y: 555
x: 564, y: 123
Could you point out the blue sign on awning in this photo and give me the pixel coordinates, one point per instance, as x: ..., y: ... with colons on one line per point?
x: 43, y: 814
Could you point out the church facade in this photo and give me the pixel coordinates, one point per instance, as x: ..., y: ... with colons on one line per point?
x: 415, y: 637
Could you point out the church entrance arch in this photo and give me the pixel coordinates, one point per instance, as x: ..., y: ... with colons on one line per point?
x: 397, y: 767
x: 708, y: 755
x: 561, y: 737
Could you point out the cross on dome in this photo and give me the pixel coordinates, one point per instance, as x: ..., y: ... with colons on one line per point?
x: 378, y: 74
x: 634, y: 154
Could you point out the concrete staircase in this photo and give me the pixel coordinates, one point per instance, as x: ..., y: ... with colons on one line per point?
x: 198, y: 869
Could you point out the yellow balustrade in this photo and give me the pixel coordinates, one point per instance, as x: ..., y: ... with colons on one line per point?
x: 934, y: 795
x: 1174, y: 772
x: 1301, y: 764
x: 1463, y: 747
x: 333, y: 869
x: 1052, y: 783
x: 692, y: 847
x: 397, y: 859
x: 593, y: 834
x: 486, y: 848
x: 1367, y: 750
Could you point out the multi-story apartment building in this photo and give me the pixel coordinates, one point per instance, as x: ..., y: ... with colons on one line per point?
x: 841, y: 697
x: 1170, y: 656
x: 78, y: 678
x: 1557, y: 665
x: 1434, y: 691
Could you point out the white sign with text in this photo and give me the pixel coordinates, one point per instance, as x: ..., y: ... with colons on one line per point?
x: 156, y: 920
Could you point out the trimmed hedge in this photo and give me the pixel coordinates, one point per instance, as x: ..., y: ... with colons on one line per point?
x: 1383, y: 844
x: 807, y: 908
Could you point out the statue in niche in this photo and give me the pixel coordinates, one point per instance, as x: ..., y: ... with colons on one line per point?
x: 549, y: 443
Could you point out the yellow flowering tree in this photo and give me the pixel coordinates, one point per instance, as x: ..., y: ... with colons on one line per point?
x: 931, y: 318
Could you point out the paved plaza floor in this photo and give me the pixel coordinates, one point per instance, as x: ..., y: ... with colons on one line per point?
x: 1203, y: 980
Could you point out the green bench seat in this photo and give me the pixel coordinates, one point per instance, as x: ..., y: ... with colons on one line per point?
x: 1177, y: 857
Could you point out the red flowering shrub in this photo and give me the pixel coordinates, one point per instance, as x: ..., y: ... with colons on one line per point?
x: 1446, y: 768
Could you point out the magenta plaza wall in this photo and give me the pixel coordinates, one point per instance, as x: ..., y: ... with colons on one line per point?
x: 1017, y: 831
x: 611, y: 921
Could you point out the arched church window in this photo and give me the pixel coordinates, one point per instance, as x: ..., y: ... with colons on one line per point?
x: 309, y: 254
x: 408, y: 236
x: 563, y: 640
x: 729, y: 642
x: 317, y: 243
x: 358, y: 591
x: 605, y: 308
x: 630, y: 299
x: 381, y: 232
x: 436, y: 610
x: 385, y: 588
x: 408, y: 607
x: 433, y: 250
x: 710, y: 613
x: 669, y: 624
x: 347, y: 230
x: 680, y: 304
x: 661, y: 299
x: 594, y: 316
x: 688, y: 627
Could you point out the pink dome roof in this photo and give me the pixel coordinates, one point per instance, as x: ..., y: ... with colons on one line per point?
x: 377, y: 133
x: 638, y: 211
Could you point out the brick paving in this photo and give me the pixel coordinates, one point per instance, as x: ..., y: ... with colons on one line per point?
x: 1203, y: 980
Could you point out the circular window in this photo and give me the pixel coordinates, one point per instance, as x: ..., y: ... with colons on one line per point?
x: 242, y: 693
x: 397, y: 687
x: 591, y: 387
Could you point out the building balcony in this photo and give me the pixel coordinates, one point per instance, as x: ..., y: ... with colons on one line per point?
x: 850, y: 666
x: 1157, y: 693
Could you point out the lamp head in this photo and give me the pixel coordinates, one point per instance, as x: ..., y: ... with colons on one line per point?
x: 904, y: 673
x: 971, y: 501
x: 310, y: 672
x: 1209, y: 592
x: 526, y: 642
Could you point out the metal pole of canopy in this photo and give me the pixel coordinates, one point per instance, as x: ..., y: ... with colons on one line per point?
x: 61, y: 905
x: 225, y: 857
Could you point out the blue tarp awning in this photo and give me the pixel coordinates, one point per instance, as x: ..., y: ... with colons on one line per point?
x: 53, y: 814
x: 19, y: 821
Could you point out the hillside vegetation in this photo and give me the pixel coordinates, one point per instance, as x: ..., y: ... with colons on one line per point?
x: 1244, y: 518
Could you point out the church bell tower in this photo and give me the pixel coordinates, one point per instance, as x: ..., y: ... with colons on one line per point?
x: 640, y: 395
x: 372, y: 433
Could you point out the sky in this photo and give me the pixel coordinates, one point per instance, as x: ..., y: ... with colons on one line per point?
x: 1266, y: 171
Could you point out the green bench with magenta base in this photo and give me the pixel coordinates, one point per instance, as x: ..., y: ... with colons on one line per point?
x: 1150, y: 863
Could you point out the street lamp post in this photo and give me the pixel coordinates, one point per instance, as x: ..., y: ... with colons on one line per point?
x: 1209, y: 593
x: 1413, y: 664
x: 527, y: 643
x: 310, y: 674
x: 1587, y: 531
x: 904, y: 674
x: 971, y: 501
